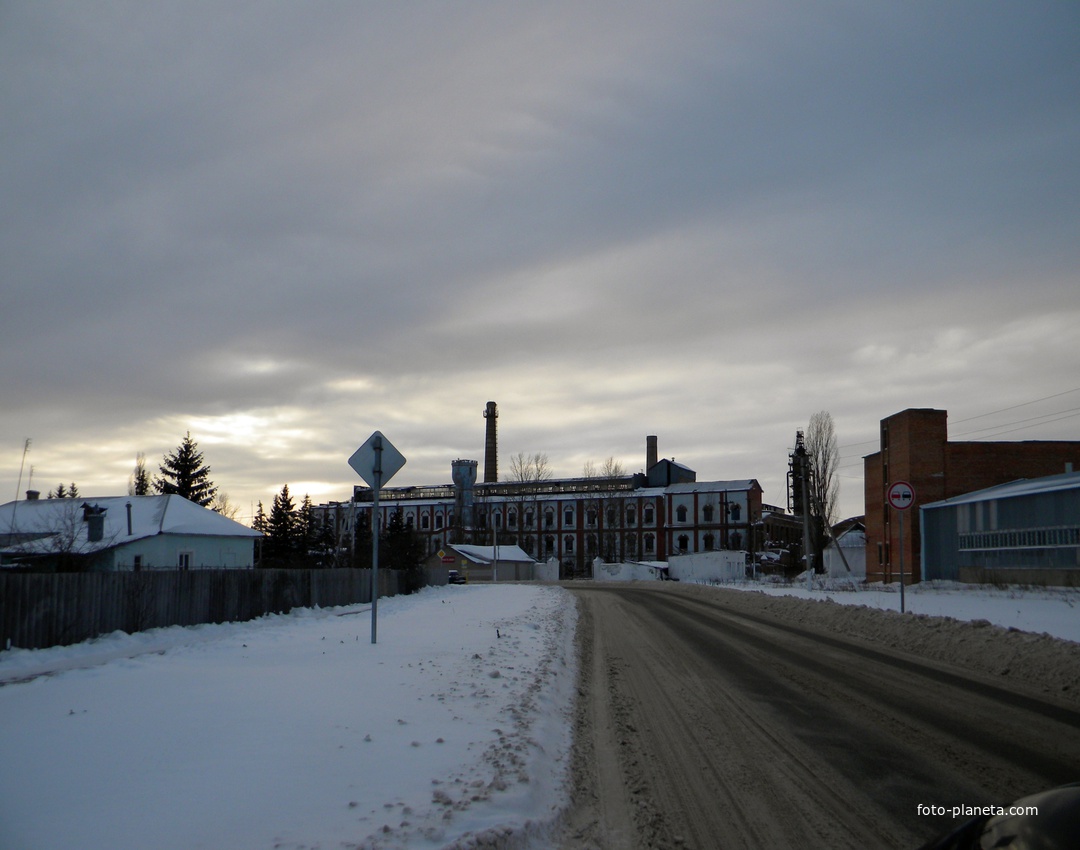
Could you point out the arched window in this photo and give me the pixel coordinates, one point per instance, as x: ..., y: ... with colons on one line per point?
x: 529, y: 518
x: 647, y: 515
x: 734, y: 510
x: 650, y: 543
x: 707, y: 514
x: 630, y: 515
x: 684, y: 543
x: 511, y: 519
x: 568, y: 516
x: 425, y: 522
x: 568, y: 544
x: 590, y: 517
x: 497, y: 519
x: 549, y: 518
x: 708, y: 541
x: 680, y: 513
x: 549, y: 545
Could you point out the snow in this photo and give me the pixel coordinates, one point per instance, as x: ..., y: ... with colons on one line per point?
x: 295, y: 731
x: 1053, y: 611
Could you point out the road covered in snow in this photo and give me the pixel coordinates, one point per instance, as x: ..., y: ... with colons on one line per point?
x: 295, y: 731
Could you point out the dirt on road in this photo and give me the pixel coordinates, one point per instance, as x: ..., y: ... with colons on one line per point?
x: 713, y: 718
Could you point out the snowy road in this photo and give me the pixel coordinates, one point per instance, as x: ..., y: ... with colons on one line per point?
x: 713, y: 721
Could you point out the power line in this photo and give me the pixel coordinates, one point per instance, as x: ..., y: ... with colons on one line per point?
x: 1015, y: 406
x: 1045, y: 416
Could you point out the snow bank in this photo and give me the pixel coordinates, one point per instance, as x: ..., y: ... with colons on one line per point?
x: 295, y: 731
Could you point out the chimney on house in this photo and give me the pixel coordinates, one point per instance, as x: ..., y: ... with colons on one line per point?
x: 33, y: 495
x: 94, y: 517
x: 491, y: 445
x: 650, y: 453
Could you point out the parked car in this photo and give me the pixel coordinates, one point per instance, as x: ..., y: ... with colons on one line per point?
x: 457, y: 578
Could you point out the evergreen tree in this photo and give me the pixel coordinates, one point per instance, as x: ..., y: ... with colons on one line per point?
x: 73, y: 491
x: 140, y: 480
x: 261, y: 523
x: 281, y: 529
x: 58, y: 493
x: 183, y: 473
x: 404, y: 550
x: 307, y: 530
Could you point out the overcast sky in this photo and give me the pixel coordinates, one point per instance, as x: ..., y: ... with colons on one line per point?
x: 281, y: 226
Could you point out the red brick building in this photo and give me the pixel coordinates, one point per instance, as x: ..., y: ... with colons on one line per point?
x: 915, y: 448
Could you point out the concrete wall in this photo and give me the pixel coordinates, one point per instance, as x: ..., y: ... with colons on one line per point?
x: 708, y: 566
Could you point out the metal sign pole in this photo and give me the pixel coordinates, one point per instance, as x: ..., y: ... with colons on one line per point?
x: 901, y: 561
x: 377, y: 473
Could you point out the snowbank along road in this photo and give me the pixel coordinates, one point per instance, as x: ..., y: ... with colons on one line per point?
x: 711, y: 718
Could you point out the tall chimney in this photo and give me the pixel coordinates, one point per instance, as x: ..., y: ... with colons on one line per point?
x: 491, y: 445
x: 650, y: 453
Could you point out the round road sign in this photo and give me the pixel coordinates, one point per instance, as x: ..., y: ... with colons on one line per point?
x: 901, y: 495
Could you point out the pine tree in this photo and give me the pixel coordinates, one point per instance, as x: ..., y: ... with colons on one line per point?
x: 73, y: 491
x: 183, y: 473
x: 307, y: 529
x: 140, y: 481
x: 261, y: 523
x: 281, y: 528
x: 58, y: 493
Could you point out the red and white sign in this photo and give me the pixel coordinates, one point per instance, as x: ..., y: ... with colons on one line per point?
x: 901, y: 495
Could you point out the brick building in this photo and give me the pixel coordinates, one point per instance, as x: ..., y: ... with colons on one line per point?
x: 915, y: 448
x: 648, y: 517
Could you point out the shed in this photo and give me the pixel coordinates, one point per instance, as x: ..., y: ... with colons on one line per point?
x: 486, y: 563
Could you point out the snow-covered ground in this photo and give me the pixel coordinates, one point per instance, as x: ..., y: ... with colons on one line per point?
x: 295, y: 731
x: 1053, y: 611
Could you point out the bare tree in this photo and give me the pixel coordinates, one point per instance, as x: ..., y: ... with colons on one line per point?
x: 823, y: 485
x: 529, y: 469
x: 530, y: 472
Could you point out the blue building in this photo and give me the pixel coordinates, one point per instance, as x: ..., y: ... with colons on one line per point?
x: 1024, y: 532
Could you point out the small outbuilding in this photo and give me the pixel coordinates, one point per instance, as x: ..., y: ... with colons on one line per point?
x: 486, y: 563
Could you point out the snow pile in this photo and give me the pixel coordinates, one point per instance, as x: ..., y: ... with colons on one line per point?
x: 295, y: 731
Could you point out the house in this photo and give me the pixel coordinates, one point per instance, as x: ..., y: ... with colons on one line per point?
x: 486, y: 563
x: 1023, y: 532
x: 915, y: 448
x: 121, y: 533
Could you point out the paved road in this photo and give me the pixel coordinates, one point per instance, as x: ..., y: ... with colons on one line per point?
x: 704, y: 724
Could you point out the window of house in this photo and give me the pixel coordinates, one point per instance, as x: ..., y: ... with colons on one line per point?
x: 183, y: 560
x: 137, y: 563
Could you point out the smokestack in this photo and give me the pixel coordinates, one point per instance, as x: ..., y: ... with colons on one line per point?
x: 650, y: 453
x: 491, y: 445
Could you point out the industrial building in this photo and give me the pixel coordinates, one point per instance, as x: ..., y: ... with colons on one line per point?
x: 1024, y: 532
x: 914, y: 448
x: 662, y: 512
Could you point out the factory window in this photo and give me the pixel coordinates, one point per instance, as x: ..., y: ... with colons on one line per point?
x: 590, y: 544
x: 647, y: 516
x: 680, y: 513
x: 684, y: 543
x: 511, y: 519
x: 529, y: 519
x: 630, y: 516
x: 568, y: 545
x: 735, y: 509
x: 549, y: 518
x: 568, y: 516
x: 590, y: 518
x: 549, y: 545
x: 650, y: 544
x: 497, y: 519
x: 707, y: 515
x: 438, y: 520
x: 425, y: 522
x: 709, y: 540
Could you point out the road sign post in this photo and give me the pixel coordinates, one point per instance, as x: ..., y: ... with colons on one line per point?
x: 377, y: 461
x: 900, y: 497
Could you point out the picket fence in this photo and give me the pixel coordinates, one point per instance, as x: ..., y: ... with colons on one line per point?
x: 39, y: 610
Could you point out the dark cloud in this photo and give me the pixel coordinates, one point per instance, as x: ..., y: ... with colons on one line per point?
x: 290, y: 225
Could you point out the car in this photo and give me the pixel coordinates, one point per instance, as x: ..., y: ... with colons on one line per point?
x: 457, y: 578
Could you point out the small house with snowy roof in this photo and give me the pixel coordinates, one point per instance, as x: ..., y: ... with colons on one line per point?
x: 115, y: 533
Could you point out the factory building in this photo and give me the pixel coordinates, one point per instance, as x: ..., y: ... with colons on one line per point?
x: 914, y: 447
x: 648, y: 516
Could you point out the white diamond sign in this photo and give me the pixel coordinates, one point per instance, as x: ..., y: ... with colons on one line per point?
x: 377, y: 461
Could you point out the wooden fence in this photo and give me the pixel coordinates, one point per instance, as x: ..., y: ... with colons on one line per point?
x: 38, y: 610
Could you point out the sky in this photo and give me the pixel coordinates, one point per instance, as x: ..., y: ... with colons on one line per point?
x: 280, y: 227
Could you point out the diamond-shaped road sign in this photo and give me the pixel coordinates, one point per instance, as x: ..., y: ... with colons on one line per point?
x: 377, y: 450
